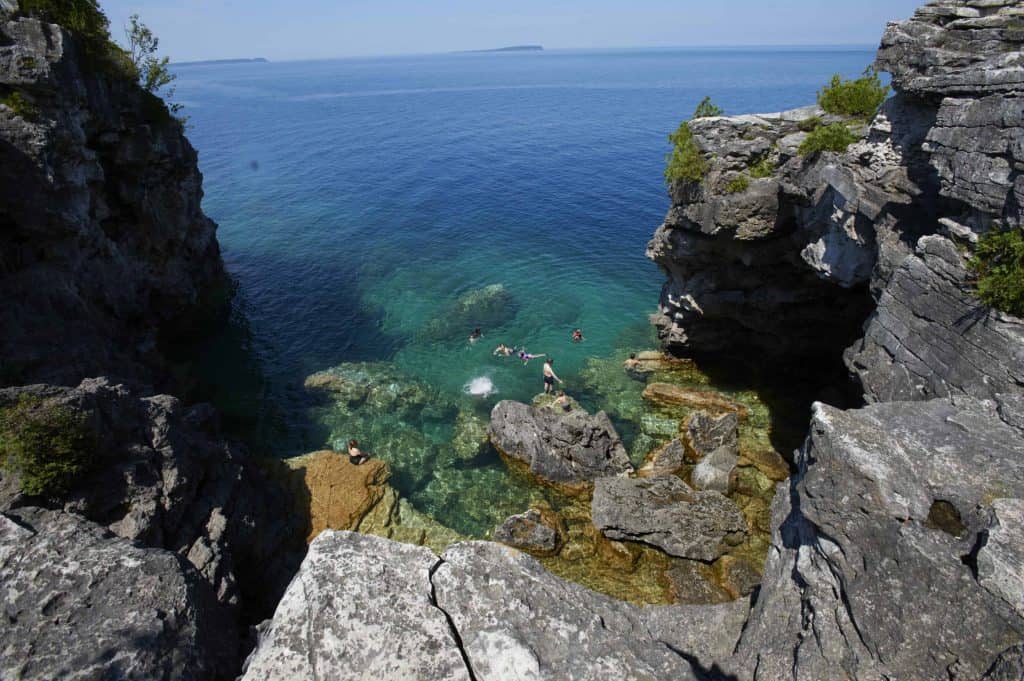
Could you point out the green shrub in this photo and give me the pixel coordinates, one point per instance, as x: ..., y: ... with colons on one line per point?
x: 763, y: 168
x: 83, y: 17
x: 998, y: 263
x: 707, y: 110
x: 738, y: 184
x: 685, y: 162
x: 858, y: 98
x: 21, y: 106
x: 809, y: 124
x: 835, y: 137
x: 46, y: 444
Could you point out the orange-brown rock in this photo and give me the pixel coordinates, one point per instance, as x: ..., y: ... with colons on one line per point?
x: 332, y: 493
x: 768, y: 461
x: 674, y: 395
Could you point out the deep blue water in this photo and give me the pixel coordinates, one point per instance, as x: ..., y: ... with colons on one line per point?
x: 358, y: 198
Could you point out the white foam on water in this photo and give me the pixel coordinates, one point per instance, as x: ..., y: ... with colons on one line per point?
x: 481, y: 386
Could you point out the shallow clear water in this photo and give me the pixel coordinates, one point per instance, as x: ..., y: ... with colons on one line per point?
x: 359, y: 199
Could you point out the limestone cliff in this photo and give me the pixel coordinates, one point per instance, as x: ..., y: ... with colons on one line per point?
x: 102, y: 237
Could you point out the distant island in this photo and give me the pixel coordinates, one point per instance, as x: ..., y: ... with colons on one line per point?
x: 254, y: 60
x: 513, y: 48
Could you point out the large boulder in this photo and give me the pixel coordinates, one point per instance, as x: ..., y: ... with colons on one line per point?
x: 80, y: 602
x: 360, y: 607
x: 897, y: 534
x: 566, y: 447
x: 483, y: 308
x: 163, y: 476
x: 664, y: 512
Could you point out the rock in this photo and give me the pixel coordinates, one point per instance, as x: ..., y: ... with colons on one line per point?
x: 706, y: 433
x: 692, y: 584
x: 517, y: 621
x: 351, y: 589
x: 666, y: 460
x: 737, y: 575
x: 393, y: 517
x: 708, y: 633
x: 331, y: 493
x: 714, y: 470
x: 529, y: 532
x: 470, y: 437
x: 561, y: 447
x: 665, y: 513
x: 768, y: 461
x: 81, y: 602
x: 929, y: 338
x: 659, y: 426
x: 1002, y: 555
x: 114, y: 192
x: 166, y: 478
x: 674, y: 395
x: 484, y: 308
x: 893, y: 595
x: 1009, y: 666
x: 379, y: 387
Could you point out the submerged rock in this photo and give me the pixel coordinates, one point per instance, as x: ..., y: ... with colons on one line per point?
x: 395, y: 518
x: 666, y: 513
x: 666, y: 460
x: 470, y: 437
x: 676, y: 395
x: 80, y: 602
x: 529, y: 532
x: 562, y: 447
x: 706, y: 433
x: 484, y: 308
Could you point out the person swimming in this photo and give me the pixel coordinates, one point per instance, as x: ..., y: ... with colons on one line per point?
x: 526, y: 356
x: 577, y: 336
x: 503, y: 350
x: 475, y: 336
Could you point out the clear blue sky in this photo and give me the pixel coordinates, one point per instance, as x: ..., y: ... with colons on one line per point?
x: 306, y: 29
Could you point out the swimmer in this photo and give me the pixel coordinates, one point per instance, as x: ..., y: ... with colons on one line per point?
x: 476, y: 335
x: 577, y: 336
x: 503, y: 350
x: 526, y: 357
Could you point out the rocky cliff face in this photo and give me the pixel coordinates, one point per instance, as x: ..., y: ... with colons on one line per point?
x: 785, y: 265
x: 101, y: 232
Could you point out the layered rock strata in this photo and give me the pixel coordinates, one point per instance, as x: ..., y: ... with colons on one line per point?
x: 101, y: 231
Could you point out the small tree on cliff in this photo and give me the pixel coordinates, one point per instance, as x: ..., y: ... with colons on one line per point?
x: 150, y: 69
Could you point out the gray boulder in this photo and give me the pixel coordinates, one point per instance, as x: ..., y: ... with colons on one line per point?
x: 666, y: 460
x: 706, y: 433
x: 714, y: 471
x: 360, y: 607
x: 529, y: 532
x: 1001, y: 558
x: 79, y: 602
x: 517, y: 621
x: 563, y: 447
x: 877, y: 536
x: 664, y: 512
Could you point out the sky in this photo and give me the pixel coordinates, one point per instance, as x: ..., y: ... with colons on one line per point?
x: 314, y: 29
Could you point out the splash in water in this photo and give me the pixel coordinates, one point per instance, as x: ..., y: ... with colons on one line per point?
x: 481, y: 386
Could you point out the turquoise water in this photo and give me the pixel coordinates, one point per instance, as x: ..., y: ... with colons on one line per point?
x: 359, y: 199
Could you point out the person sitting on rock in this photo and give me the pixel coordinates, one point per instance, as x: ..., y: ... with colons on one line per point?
x: 550, y: 376
x: 632, y: 363
x: 356, y: 457
x: 577, y: 336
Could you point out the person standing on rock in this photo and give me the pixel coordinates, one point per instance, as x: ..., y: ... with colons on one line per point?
x: 550, y: 376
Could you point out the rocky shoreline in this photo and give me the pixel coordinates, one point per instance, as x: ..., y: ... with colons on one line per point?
x: 893, y: 551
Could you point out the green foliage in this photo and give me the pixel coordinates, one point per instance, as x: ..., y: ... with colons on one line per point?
x: 763, y: 168
x: 809, y: 124
x: 738, y: 184
x: 46, y: 444
x: 998, y: 263
x: 82, y: 17
x: 707, y: 110
x: 20, y: 106
x: 858, y: 98
x: 685, y: 162
x: 836, y: 137
x: 150, y: 69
